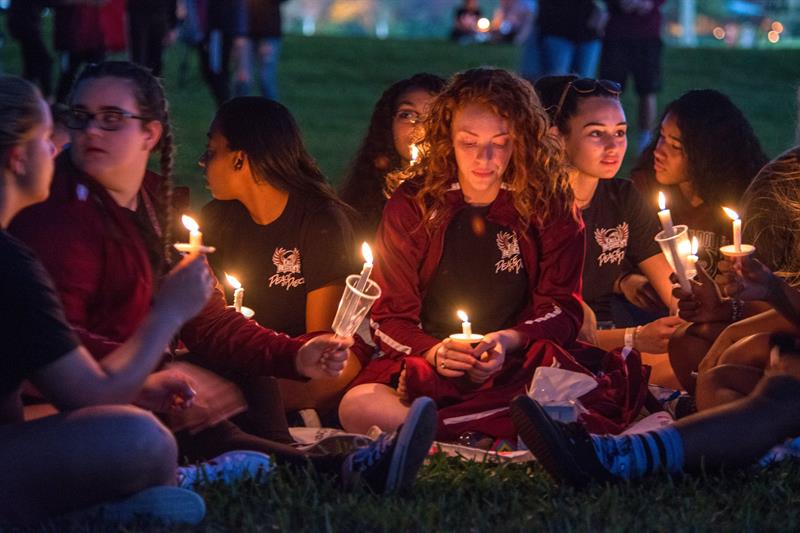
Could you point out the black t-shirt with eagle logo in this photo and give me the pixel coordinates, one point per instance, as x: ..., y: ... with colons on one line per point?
x: 620, y: 232
x: 481, y: 272
x: 310, y: 245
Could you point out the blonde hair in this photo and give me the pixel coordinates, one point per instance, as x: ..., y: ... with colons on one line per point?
x: 20, y: 112
x: 536, y: 174
x: 772, y: 215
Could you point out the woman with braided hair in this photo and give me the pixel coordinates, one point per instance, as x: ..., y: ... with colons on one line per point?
x: 103, y: 236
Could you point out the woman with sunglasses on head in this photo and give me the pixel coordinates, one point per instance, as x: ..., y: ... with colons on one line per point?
x: 386, y: 149
x: 278, y: 228
x: 487, y: 226
x: 620, y: 228
x: 97, y: 449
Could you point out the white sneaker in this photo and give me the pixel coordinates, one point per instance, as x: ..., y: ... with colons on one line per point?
x: 228, y: 468
x: 173, y: 505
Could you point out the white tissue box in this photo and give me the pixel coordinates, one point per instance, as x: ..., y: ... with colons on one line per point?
x: 562, y: 411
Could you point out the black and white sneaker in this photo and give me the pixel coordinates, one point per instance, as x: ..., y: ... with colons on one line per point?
x: 565, y: 451
x: 390, y: 463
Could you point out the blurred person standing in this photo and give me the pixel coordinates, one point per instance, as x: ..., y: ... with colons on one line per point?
x: 24, y: 21
x: 632, y: 46
x: 570, y: 32
x: 149, y: 25
x: 263, y: 47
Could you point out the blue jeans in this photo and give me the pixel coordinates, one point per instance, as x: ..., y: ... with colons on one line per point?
x: 561, y: 56
x: 266, y: 54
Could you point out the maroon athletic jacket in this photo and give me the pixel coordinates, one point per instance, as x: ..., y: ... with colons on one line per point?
x: 98, y: 260
x: 407, y: 257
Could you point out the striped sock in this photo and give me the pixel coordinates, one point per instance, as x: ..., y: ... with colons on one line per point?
x: 634, y: 456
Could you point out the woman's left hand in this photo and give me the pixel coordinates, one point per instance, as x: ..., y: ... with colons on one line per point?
x: 490, y: 354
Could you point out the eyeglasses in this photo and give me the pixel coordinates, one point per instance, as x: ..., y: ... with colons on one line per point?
x: 587, y: 86
x: 108, y: 120
x: 407, y: 116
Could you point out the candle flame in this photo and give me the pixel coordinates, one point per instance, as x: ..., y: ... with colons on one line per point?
x: 190, y: 223
x: 233, y: 281
x: 366, y: 251
x: 731, y: 213
x: 684, y: 247
x: 695, y: 246
x: 484, y: 24
x: 662, y: 201
x: 462, y: 316
x: 414, y: 153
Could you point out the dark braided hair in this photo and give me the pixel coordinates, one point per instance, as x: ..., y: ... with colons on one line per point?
x: 363, y: 185
x: 152, y: 101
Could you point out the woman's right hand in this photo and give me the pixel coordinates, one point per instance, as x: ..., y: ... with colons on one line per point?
x: 186, y: 289
x: 450, y: 358
x: 654, y: 337
x: 705, y: 303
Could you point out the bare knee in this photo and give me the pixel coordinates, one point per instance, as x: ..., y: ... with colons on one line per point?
x: 724, y: 384
x: 371, y: 404
x: 138, y: 442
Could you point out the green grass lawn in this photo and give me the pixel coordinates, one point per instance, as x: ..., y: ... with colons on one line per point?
x: 330, y: 84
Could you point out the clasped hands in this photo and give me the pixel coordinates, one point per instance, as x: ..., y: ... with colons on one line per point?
x: 453, y: 359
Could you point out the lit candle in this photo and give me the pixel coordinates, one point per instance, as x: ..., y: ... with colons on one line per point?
x: 195, y: 237
x: 737, y: 228
x: 691, y: 263
x: 664, y: 216
x: 466, y: 327
x: 414, y: 153
x: 484, y: 24
x: 366, y: 270
x: 238, y: 293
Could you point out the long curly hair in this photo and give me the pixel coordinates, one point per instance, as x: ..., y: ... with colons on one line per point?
x: 723, y: 153
x: 772, y: 215
x: 363, y: 185
x: 536, y: 174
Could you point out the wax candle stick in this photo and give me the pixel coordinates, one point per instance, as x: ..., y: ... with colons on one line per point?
x: 691, y: 260
x: 664, y: 216
x: 238, y: 292
x: 195, y: 236
x: 414, y: 153
x: 737, y: 228
x: 466, y: 327
x: 366, y: 270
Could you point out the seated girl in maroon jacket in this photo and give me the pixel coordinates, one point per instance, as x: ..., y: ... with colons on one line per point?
x: 488, y: 226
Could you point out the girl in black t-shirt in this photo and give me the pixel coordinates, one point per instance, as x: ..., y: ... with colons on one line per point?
x: 386, y: 148
x: 92, y: 451
x: 619, y: 227
x: 278, y: 226
x: 704, y: 156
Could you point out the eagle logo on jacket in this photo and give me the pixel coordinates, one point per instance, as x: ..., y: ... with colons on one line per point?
x: 510, y: 260
x: 613, y: 242
x: 287, y: 263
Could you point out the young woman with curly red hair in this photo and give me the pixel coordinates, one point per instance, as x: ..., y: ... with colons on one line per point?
x: 487, y: 225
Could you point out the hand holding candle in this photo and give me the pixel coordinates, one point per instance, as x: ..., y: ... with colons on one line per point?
x: 466, y: 334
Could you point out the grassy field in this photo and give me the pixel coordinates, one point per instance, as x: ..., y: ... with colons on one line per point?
x: 330, y: 84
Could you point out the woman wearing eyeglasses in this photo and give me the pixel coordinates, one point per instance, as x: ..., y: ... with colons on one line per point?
x: 386, y: 149
x: 588, y: 117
